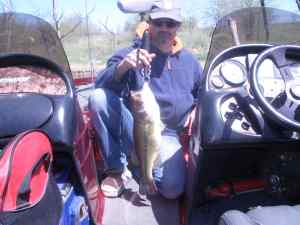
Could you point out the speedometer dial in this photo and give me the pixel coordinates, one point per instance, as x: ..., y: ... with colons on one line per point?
x: 233, y: 72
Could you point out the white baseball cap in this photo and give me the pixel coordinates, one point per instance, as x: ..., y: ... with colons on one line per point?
x: 166, y: 9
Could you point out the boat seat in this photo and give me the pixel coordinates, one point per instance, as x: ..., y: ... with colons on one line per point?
x: 271, y: 215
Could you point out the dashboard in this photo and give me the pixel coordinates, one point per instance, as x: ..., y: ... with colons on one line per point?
x: 229, y: 111
x: 234, y: 73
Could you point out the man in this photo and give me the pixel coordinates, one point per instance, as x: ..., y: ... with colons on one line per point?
x: 175, y: 77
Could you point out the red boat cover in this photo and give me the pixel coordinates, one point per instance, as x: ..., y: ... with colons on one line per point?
x: 24, y: 170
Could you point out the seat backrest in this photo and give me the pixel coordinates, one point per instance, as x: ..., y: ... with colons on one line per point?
x: 36, y: 94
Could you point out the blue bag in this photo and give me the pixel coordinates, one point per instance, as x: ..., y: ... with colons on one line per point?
x: 75, y: 209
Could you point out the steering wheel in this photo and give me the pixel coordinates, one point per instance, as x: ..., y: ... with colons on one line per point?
x: 285, y: 114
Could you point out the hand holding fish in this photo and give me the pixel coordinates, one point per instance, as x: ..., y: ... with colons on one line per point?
x: 136, y: 59
x: 139, y: 58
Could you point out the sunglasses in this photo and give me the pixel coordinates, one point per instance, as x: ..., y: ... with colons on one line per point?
x: 167, y: 23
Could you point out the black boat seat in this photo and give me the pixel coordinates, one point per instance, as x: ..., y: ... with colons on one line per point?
x: 271, y: 215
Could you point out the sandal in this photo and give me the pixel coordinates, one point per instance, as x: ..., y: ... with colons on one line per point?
x: 113, y: 185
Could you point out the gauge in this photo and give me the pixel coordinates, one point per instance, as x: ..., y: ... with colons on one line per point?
x: 217, y: 81
x: 233, y: 72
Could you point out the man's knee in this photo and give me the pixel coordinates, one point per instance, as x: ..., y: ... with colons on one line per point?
x: 172, y: 187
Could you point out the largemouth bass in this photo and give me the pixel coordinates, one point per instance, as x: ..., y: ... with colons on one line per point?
x: 147, y: 135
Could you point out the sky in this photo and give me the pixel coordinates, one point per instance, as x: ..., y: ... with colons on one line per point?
x: 107, y: 10
x: 104, y: 10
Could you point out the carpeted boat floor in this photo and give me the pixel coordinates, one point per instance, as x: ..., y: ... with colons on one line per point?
x: 131, y: 208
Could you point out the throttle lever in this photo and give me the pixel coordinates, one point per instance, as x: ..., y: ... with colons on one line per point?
x: 251, y: 113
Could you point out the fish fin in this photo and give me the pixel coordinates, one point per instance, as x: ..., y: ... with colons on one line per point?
x: 143, y: 189
x: 157, y: 161
x: 134, y: 159
x: 149, y: 188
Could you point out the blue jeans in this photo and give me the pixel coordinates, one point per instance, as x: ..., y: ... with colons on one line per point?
x: 113, y: 123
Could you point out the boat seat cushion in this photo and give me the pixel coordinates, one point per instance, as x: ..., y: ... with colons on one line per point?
x: 273, y: 215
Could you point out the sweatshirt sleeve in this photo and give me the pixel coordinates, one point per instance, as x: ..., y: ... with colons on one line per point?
x: 106, y: 77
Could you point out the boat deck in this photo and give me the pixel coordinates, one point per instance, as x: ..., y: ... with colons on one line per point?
x: 131, y: 208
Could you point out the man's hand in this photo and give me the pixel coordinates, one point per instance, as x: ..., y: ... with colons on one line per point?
x: 137, y: 58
